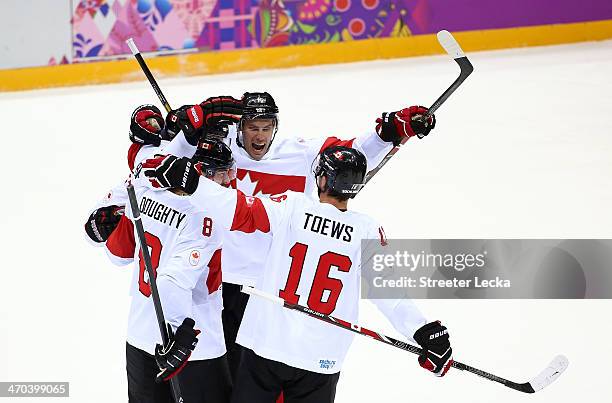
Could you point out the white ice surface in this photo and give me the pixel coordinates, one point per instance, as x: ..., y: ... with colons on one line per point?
x: 522, y: 150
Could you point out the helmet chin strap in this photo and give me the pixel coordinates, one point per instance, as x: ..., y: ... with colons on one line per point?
x: 319, y: 179
x: 239, y: 133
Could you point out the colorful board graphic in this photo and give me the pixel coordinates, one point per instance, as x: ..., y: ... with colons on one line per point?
x: 100, y: 27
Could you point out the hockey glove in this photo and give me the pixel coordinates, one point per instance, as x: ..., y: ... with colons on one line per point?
x: 438, y: 354
x: 102, y: 222
x: 223, y: 108
x: 217, y: 131
x: 172, y: 357
x: 189, y: 119
x: 146, y: 125
x: 172, y: 172
x: 408, y: 122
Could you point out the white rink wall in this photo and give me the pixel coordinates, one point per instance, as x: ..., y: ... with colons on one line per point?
x: 522, y: 150
x: 34, y: 31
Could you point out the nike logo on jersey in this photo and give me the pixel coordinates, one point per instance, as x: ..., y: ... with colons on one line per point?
x: 160, y: 212
x: 328, y: 227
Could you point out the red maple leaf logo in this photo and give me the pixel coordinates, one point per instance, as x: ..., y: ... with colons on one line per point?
x: 271, y: 184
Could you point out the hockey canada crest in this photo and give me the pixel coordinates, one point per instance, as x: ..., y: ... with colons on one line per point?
x: 194, y: 257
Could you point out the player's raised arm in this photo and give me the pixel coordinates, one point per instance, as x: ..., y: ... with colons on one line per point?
x: 230, y: 207
x: 389, y: 131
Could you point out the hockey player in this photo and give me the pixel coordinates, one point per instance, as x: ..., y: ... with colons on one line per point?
x: 149, y: 136
x: 185, y: 247
x: 267, y: 166
x: 315, y: 260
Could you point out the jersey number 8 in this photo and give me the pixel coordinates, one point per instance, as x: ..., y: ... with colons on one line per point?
x: 155, y: 248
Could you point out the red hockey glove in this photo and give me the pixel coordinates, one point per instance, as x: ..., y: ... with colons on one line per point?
x: 207, y: 115
x: 408, y: 122
x: 438, y: 354
x: 172, y: 357
x: 146, y: 125
x: 223, y: 108
x: 189, y: 119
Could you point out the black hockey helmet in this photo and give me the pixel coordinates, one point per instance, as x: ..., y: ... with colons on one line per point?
x: 258, y: 105
x: 213, y: 156
x: 345, y: 170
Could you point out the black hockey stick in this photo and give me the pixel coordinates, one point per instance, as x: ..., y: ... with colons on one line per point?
x: 545, y: 378
x: 147, y: 72
x: 176, y: 389
x: 453, y: 49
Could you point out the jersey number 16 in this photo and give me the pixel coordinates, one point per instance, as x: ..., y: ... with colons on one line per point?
x: 321, y: 283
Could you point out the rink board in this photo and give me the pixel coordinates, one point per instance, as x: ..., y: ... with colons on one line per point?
x: 297, y: 55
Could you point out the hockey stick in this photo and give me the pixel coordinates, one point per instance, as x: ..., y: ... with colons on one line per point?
x: 545, y: 378
x: 453, y: 49
x: 147, y: 72
x: 174, y: 383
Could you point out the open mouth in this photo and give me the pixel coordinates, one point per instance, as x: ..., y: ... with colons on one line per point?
x: 258, y: 146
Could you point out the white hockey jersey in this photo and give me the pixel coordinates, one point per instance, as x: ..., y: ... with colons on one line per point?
x: 185, y: 248
x: 315, y: 260
x: 287, y: 166
x: 117, y: 196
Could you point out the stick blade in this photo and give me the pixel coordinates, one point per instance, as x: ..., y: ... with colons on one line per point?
x: 450, y: 45
x: 550, y: 373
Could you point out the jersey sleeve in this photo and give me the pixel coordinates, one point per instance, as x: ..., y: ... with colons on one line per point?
x: 403, y: 313
x: 132, y: 153
x: 250, y: 215
x: 197, y: 253
x: 370, y: 144
x: 117, y: 196
x: 179, y: 147
x: 138, y: 153
x: 373, y: 147
x: 237, y: 212
x: 278, y: 208
x: 120, y: 245
x: 266, y: 214
x: 219, y: 202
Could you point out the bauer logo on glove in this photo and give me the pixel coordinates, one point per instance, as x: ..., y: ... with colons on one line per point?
x: 437, y: 354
